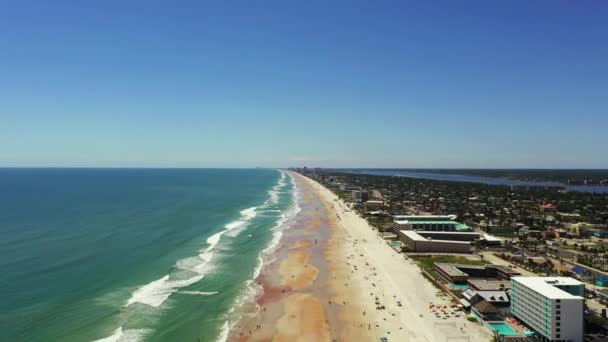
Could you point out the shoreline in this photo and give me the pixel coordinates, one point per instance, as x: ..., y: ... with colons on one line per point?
x: 330, y: 271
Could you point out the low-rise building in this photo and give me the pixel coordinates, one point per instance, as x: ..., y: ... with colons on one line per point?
x: 491, y: 240
x: 498, y: 299
x: 551, y: 306
x: 461, y: 273
x: 489, y: 285
x: 580, y: 228
x: 374, y: 204
x: 415, y: 242
x: 415, y: 218
x: 430, y: 223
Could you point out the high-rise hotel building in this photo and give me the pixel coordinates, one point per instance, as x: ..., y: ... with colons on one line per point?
x: 552, y: 306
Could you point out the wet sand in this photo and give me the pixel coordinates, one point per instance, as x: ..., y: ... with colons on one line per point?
x: 295, y: 304
x: 329, y: 273
x: 296, y: 272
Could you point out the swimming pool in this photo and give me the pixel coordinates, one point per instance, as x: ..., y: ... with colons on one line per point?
x: 504, y: 329
x: 459, y: 287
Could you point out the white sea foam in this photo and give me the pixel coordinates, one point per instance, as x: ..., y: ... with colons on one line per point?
x: 158, y: 291
x: 193, y: 269
x: 199, y: 293
x: 252, y: 289
x: 224, y: 334
x: 116, y: 335
x: 128, y: 335
x: 276, y: 190
x: 236, y: 227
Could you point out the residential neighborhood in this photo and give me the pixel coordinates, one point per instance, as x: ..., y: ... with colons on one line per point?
x: 498, y: 251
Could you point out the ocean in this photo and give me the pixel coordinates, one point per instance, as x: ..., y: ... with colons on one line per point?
x: 134, y: 254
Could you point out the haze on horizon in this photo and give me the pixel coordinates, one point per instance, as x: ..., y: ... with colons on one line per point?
x: 468, y: 84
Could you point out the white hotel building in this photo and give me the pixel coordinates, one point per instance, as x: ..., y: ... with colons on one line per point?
x: 552, y: 306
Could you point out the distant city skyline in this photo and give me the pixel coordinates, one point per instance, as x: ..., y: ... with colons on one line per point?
x: 470, y: 84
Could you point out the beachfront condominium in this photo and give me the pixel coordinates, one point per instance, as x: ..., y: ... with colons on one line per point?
x: 360, y: 195
x: 551, y: 306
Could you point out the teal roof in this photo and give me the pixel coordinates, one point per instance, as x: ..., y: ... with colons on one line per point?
x: 458, y: 225
x: 462, y: 226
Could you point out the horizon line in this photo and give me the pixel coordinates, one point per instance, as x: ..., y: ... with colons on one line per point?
x: 299, y: 167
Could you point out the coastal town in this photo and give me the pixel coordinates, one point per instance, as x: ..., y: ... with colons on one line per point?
x: 524, y: 263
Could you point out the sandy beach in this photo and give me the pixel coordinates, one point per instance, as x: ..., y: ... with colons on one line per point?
x: 331, y: 274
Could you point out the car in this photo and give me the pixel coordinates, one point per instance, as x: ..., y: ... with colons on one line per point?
x: 383, y: 339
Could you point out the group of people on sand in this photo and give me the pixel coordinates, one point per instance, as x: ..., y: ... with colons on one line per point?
x: 369, y: 271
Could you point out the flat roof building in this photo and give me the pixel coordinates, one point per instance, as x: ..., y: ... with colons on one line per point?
x: 415, y: 242
x: 414, y: 218
x: 461, y: 273
x: 491, y: 240
x: 374, y: 204
x: 552, y: 306
x: 489, y: 284
x: 432, y: 225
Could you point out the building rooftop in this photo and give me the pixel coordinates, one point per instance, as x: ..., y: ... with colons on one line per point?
x: 426, y: 222
x: 424, y: 217
x: 454, y: 270
x: 494, y: 296
x: 439, y: 232
x: 546, y: 286
x: 462, y: 226
x: 491, y: 238
x: 484, y: 307
x: 413, y: 235
x: 417, y: 237
x: 489, y: 285
x: 457, y: 225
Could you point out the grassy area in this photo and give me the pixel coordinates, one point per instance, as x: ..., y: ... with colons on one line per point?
x: 345, y: 196
x: 510, y: 235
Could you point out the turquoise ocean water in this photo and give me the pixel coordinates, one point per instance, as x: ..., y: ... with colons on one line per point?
x: 133, y: 254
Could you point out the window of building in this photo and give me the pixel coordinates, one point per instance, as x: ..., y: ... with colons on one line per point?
x: 558, y: 300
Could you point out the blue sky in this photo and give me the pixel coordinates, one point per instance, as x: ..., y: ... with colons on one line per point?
x: 340, y: 83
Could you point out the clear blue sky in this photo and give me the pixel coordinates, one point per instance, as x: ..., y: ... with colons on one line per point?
x: 328, y: 83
